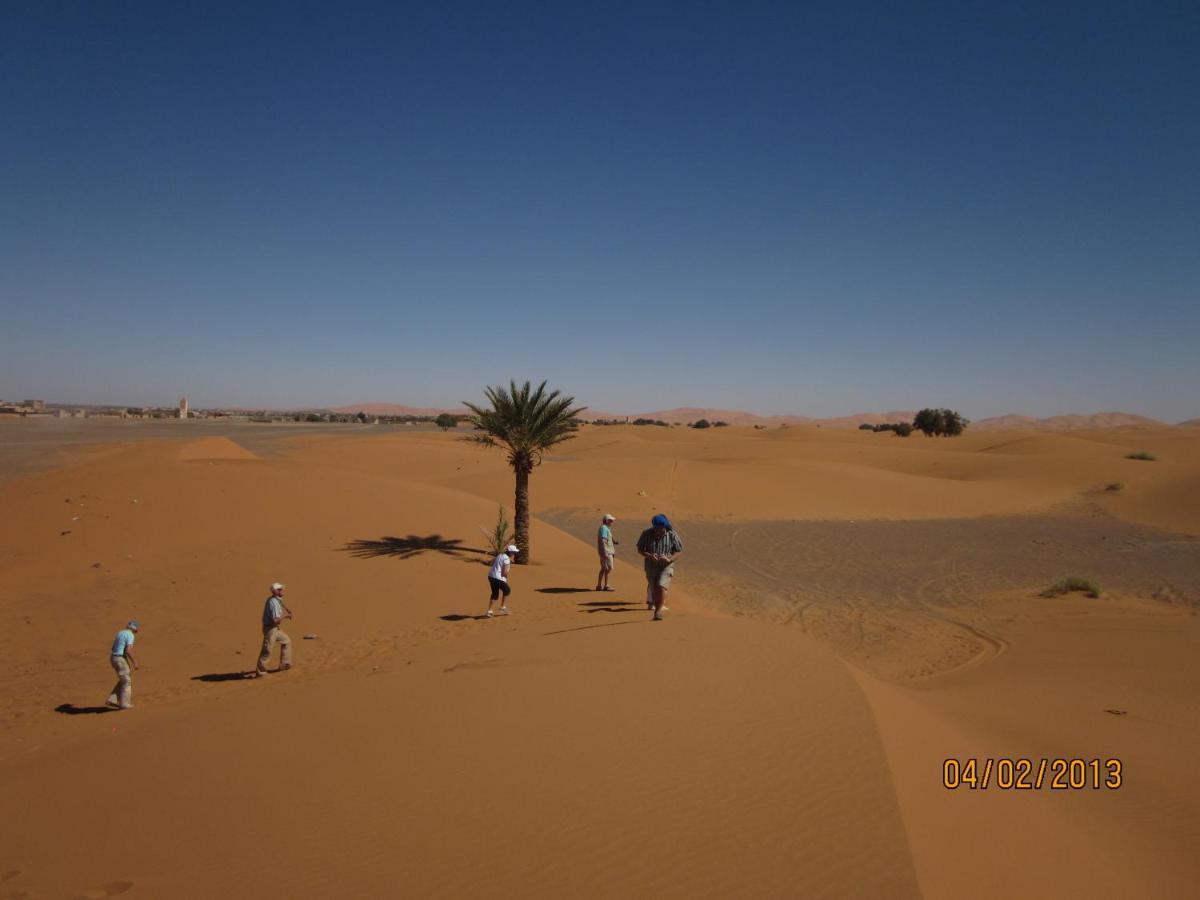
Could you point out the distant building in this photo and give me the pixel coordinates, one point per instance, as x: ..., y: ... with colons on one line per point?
x: 23, y: 408
x: 183, y: 408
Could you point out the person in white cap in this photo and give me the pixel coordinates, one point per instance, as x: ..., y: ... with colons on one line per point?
x: 498, y: 579
x: 607, y: 549
x: 274, y: 612
x: 122, y: 658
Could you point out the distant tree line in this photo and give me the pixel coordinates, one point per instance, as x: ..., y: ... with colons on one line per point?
x: 902, y: 429
x: 930, y: 422
x: 658, y: 422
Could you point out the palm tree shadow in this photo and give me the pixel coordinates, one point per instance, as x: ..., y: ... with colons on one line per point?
x: 406, y: 547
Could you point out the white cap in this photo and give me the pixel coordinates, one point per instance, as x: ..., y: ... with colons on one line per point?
x: 609, y: 517
x: 512, y: 548
x: 276, y: 586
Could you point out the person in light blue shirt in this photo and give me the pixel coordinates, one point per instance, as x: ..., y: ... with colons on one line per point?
x: 121, y: 658
x: 606, y: 546
x: 274, y: 612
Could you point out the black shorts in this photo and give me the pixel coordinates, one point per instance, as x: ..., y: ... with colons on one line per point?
x: 499, y: 587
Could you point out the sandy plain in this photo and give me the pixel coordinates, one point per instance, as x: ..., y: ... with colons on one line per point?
x: 852, y: 610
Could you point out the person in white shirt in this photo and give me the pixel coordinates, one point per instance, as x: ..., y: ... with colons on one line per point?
x: 498, y: 579
x: 121, y: 658
x: 274, y: 612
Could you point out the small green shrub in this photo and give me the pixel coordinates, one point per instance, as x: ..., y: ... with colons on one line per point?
x: 500, y: 535
x: 1141, y: 454
x: 1073, y: 583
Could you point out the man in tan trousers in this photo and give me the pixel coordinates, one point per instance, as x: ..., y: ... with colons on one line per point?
x: 121, y: 657
x: 274, y: 612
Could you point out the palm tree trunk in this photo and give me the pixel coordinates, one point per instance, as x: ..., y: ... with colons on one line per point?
x: 521, y: 516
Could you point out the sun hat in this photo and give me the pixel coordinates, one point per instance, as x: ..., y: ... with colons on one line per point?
x: 609, y: 517
x: 133, y: 623
x: 276, y: 586
x: 512, y: 548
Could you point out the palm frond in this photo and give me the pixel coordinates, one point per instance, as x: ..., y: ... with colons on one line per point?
x: 526, y: 421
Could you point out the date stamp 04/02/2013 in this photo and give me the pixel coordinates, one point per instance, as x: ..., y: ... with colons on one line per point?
x: 1025, y: 774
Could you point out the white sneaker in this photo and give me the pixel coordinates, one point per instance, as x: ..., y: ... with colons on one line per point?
x: 504, y: 610
x: 489, y: 614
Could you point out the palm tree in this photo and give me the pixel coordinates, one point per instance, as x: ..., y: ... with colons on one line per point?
x: 526, y: 422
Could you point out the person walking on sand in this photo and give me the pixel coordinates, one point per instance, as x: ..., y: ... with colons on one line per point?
x: 274, y: 612
x: 659, y: 545
x: 122, y: 659
x: 607, y: 549
x: 498, y: 579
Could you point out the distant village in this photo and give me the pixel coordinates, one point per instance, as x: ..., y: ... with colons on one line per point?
x: 42, y: 409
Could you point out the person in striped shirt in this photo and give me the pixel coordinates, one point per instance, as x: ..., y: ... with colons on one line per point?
x: 659, y: 545
x: 274, y: 612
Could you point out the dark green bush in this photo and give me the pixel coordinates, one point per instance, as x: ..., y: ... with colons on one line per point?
x: 940, y: 422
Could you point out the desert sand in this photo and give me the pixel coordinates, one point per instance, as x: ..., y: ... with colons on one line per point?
x: 852, y: 609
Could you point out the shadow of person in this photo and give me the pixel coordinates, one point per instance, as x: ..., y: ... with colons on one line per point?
x: 563, y: 590
x: 223, y: 676
x: 70, y: 709
x: 405, y: 547
x: 459, y: 617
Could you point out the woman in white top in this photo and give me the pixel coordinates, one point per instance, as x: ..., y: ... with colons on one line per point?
x: 498, y: 579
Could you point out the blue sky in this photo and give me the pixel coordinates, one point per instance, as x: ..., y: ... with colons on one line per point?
x: 818, y: 209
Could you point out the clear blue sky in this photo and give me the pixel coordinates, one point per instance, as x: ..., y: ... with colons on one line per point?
x: 788, y: 207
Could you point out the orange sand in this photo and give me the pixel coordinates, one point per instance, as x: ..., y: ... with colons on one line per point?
x: 574, y: 748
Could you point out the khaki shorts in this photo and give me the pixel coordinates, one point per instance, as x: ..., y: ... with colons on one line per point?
x: 606, y: 562
x: 659, y: 576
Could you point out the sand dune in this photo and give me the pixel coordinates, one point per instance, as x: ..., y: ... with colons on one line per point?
x: 1072, y: 422
x: 576, y: 748
x: 214, y: 448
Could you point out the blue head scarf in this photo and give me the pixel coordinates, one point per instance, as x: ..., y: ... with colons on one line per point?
x: 661, y: 521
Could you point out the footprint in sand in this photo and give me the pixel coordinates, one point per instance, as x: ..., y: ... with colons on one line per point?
x: 112, y: 889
